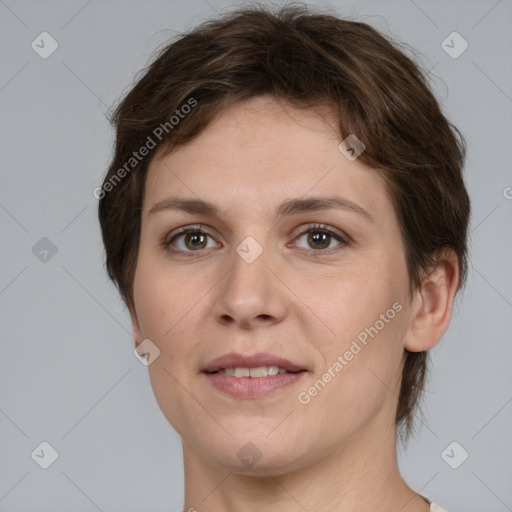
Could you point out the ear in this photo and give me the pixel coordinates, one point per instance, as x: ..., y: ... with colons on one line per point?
x: 136, y: 330
x: 432, y: 304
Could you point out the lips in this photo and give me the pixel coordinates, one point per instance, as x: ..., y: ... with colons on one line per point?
x: 262, y: 359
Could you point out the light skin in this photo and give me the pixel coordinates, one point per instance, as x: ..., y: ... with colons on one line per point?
x: 304, y: 298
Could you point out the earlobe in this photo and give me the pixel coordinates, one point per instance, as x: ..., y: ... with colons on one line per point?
x: 136, y: 330
x: 431, y: 308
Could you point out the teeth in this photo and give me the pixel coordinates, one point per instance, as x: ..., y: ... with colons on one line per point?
x: 260, y: 371
x: 242, y: 372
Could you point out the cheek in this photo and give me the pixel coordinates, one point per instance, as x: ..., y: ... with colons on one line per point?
x: 162, y: 300
x: 360, y: 375
x: 171, y: 308
x: 349, y: 300
x: 363, y: 312
x: 165, y: 308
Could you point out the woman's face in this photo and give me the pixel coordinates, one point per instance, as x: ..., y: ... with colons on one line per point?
x: 263, y: 276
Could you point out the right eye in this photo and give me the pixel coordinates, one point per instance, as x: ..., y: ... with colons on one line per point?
x: 192, y: 239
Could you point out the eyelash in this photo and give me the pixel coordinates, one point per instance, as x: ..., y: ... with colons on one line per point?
x: 320, y: 228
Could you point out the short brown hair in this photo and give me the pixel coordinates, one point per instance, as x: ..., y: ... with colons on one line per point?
x: 308, y: 60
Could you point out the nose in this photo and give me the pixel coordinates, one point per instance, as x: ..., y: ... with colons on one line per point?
x: 251, y: 294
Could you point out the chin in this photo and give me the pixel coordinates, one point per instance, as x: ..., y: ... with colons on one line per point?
x: 252, y: 461
x: 254, y: 452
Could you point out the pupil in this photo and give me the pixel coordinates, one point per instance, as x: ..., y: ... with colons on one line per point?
x: 196, y: 236
x: 319, y: 238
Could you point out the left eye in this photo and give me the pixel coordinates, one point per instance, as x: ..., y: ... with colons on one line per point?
x: 319, y: 238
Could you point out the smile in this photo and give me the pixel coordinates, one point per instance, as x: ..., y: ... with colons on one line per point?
x: 257, y: 372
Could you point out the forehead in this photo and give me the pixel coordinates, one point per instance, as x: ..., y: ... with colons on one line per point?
x: 256, y: 154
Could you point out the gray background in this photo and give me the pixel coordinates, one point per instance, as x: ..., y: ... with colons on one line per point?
x: 68, y: 375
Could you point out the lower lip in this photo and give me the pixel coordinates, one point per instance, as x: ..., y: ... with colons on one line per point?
x: 249, y: 387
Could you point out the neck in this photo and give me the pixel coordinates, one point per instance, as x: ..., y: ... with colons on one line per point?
x: 362, y: 474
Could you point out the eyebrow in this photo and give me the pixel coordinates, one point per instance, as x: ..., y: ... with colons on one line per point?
x: 287, y: 208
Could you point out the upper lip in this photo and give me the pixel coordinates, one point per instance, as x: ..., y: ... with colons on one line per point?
x: 234, y: 360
